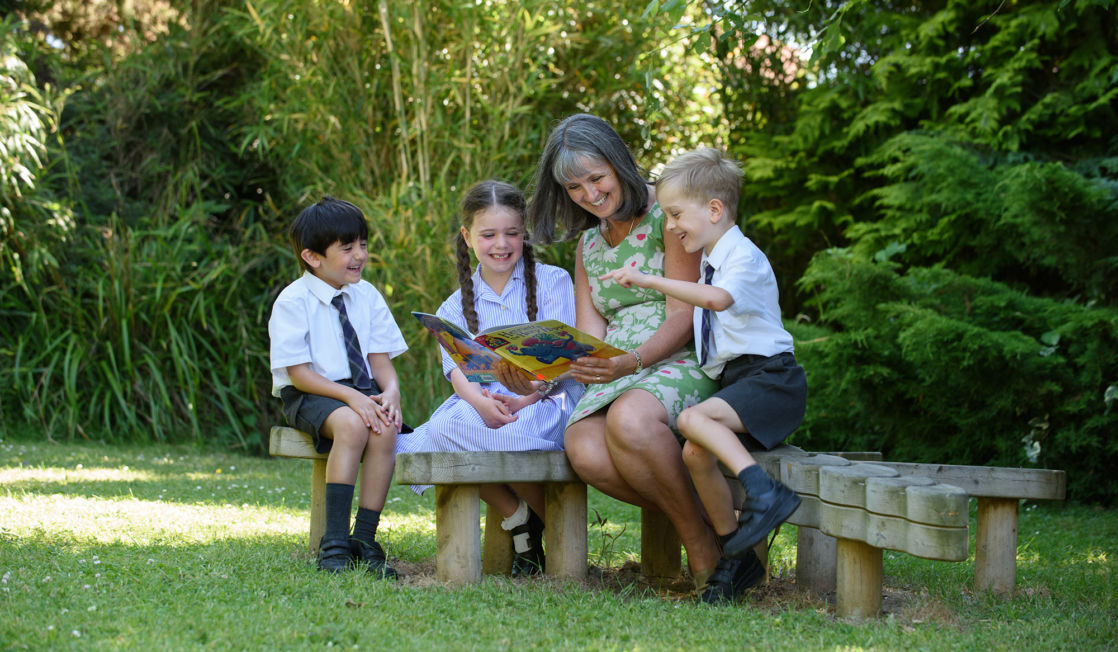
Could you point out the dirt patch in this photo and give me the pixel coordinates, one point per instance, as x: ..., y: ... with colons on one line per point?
x: 777, y: 595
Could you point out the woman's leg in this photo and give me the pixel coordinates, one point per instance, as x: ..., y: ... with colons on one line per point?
x: 647, y: 457
x: 585, y: 443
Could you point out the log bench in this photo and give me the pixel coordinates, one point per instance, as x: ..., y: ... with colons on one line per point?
x: 899, y: 512
x: 458, y: 478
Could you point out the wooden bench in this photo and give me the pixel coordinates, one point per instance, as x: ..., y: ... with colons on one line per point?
x: 818, y: 565
x: 457, y: 478
x: 999, y: 491
x: 289, y: 442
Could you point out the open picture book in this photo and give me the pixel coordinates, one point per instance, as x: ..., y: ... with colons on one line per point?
x: 544, y: 349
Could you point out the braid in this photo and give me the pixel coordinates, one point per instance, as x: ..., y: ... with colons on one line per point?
x: 530, y: 280
x: 466, y: 282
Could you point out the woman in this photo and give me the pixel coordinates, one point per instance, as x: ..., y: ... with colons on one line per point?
x: 620, y: 438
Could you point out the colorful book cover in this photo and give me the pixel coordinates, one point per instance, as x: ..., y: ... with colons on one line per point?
x: 544, y: 349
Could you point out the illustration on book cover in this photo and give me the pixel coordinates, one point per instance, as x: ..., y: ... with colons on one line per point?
x: 544, y: 349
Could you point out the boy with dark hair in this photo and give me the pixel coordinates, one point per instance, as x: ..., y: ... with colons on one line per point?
x: 742, y: 343
x: 332, y: 343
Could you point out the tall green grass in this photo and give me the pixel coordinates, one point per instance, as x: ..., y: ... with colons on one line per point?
x: 177, y: 165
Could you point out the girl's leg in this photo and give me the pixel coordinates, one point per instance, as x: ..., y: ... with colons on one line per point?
x: 500, y: 498
x: 533, y: 495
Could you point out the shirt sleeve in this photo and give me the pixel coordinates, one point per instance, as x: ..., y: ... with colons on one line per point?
x: 556, y: 294
x: 747, y: 281
x: 380, y: 334
x: 287, y: 331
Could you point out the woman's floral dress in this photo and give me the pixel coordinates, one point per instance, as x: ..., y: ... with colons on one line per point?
x: 633, y: 314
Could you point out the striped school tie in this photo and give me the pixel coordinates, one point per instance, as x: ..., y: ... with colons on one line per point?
x: 357, y: 371
x: 708, y: 272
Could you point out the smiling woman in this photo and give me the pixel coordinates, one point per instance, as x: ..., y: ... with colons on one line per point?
x: 621, y: 438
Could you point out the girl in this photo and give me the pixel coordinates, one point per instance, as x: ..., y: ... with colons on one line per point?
x: 508, y: 287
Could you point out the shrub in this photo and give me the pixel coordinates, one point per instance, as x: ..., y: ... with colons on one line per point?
x: 934, y: 366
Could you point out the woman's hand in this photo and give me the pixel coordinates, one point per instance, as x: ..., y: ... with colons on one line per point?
x: 590, y: 369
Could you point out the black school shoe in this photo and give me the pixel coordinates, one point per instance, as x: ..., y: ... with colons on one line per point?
x: 731, y: 577
x: 371, y: 557
x: 334, y: 555
x: 759, y: 516
x: 532, y: 561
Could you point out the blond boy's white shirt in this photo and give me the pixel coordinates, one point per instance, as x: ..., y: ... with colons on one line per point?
x: 751, y: 325
x: 304, y: 328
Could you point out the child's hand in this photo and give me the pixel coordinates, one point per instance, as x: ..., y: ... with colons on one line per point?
x: 517, y: 380
x: 515, y: 404
x: 389, y: 401
x: 493, y: 411
x: 626, y: 277
x: 370, y: 411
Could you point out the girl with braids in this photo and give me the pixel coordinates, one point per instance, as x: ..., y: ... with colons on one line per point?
x: 507, y: 287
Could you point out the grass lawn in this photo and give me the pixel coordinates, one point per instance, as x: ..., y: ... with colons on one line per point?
x: 168, y: 548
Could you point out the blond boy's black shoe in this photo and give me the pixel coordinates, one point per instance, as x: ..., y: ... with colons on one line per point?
x: 731, y: 577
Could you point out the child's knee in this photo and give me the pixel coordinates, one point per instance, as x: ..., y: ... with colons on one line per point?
x: 688, y: 420
x: 383, y: 441
x: 698, y: 458
x: 347, y: 429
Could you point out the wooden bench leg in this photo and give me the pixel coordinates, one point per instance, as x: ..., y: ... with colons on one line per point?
x: 858, y: 579
x: 458, y: 533
x: 815, y: 561
x: 660, y: 556
x: 565, y: 531
x: 318, y: 504
x: 995, y: 553
x: 497, y: 553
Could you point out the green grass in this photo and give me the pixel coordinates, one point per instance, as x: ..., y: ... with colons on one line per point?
x: 171, y: 547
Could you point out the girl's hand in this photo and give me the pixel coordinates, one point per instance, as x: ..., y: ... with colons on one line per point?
x: 515, y: 379
x: 590, y: 369
x: 515, y: 404
x: 626, y: 277
x: 493, y: 411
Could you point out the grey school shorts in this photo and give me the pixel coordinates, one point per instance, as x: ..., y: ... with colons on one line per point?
x: 307, y: 412
x: 769, y: 395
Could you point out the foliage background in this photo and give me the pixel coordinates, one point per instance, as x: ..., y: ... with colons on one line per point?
x: 935, y: 185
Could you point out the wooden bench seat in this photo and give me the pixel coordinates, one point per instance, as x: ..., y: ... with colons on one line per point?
x: 457, y: 478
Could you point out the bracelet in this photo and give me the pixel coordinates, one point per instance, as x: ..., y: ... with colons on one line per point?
x: 640, y: 364
x: 546, y: 387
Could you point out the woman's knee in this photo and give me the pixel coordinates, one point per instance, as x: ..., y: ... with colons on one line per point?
x: 636, y: 430
x: 586, y: 451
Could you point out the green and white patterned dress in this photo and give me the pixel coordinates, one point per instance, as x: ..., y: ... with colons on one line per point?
x: 633, y: 314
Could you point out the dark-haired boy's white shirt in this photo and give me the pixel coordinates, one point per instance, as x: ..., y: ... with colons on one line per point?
x: 304, y: 327
x: 752, y: 324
